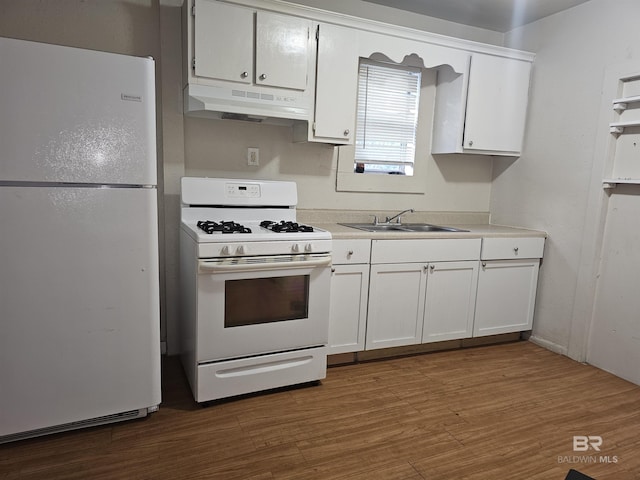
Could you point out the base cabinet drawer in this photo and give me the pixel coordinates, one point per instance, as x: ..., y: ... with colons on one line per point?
x: 507, y: 248
x: 345, y: 252
x: 420, y: 250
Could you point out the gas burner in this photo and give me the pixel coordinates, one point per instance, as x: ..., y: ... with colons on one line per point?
x: 285, y: 227
x: 222, y: 227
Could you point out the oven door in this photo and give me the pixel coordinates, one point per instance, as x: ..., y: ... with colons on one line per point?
x: 256, y: 305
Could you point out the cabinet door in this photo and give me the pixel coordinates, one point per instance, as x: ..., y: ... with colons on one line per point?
x: 282, y: 50
x: 450, y: 301
x: 348, y: 312
x: 396, y: 305
x: 336, y: 84
x: 223, y: 46
x: 506, y: 296
x: 496, y: 103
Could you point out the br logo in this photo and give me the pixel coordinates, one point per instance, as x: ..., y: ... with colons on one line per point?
x: 582, y: 443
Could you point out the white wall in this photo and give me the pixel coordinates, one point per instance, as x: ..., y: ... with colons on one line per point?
x: 554, y: 185
x: 380, y: 13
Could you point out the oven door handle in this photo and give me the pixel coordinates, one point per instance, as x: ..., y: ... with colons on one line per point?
x: 211, y: 267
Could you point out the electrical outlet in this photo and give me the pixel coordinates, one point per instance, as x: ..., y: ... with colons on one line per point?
x: 253, y: 156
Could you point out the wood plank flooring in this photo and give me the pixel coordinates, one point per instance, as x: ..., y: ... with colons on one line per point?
x: 507, y: 411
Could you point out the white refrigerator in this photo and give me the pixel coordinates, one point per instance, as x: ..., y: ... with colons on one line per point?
x: 79, y: 279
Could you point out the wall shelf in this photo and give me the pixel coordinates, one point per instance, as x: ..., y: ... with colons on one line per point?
x: 621, y: 104
x: 613, y: 182
x: 618, y: 127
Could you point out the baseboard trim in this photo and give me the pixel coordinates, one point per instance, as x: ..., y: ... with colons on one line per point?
x: 418, y: 349
x: 554, y: 347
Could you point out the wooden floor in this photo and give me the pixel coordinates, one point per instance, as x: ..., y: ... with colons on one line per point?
x: 501, y: 412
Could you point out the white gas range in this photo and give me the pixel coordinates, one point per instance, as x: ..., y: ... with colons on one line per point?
x: 254, y: 288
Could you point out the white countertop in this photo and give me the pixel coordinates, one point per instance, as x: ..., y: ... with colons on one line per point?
x: 475, y: 231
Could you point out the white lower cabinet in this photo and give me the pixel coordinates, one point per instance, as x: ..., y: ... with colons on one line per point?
x: 450, y: 301
x: 396, y: 305
x: 349, y: 292
x: 427, y: 300
x: 393, y: 293
x: 507, y: 285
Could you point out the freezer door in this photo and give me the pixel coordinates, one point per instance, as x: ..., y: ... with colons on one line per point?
x: 73, y: 115
x: 79, y: 329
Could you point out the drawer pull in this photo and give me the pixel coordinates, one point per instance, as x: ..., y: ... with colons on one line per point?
x: 515, y: 250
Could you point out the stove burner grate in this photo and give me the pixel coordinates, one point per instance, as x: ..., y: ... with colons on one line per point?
x: 285, y: 227
x: 222, y: 227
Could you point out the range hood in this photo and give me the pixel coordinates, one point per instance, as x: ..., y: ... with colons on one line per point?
x: 247, y: 102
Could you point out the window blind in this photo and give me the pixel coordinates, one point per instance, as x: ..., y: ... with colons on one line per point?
x: 388, y: 99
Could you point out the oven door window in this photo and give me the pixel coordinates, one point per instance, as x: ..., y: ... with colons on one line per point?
x: 264, y: 300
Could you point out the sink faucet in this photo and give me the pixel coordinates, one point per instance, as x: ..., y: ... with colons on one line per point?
x: 397, y: 216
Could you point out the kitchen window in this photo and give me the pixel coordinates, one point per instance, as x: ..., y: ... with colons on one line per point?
x: 401, y: 135
x: 387, y: 118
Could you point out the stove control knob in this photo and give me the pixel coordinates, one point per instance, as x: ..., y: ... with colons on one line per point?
x: 308, y: 247
x: 241, y: 250
x: 295, y: 248
x: 225, y: 250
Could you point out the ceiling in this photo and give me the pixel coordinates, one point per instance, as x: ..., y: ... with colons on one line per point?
x: 496, y: 15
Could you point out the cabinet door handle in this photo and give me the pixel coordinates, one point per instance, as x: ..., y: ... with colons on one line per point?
x: 263, y: 76
x: 471, y: 143
x: 333, y: 269
x: 346, y: 132
x: 515, y: 250
x: 349, y: 253
x: 484, y: 264
x: 432, y: 267
x: 244, y: 74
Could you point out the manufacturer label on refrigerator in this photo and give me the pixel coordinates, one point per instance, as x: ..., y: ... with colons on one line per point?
x: 131, y: 98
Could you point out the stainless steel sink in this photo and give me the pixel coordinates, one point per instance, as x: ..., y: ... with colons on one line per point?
x: 425, y: 227
x: 403, y: 227
x: 369, y: 227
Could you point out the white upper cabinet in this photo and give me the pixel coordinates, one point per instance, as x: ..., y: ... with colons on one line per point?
x: 275, y: 62
x: 490, y: 118
x: 223, y: 45
x: 282, y: 50
x: 496, y: 103
x: 336, y: 85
